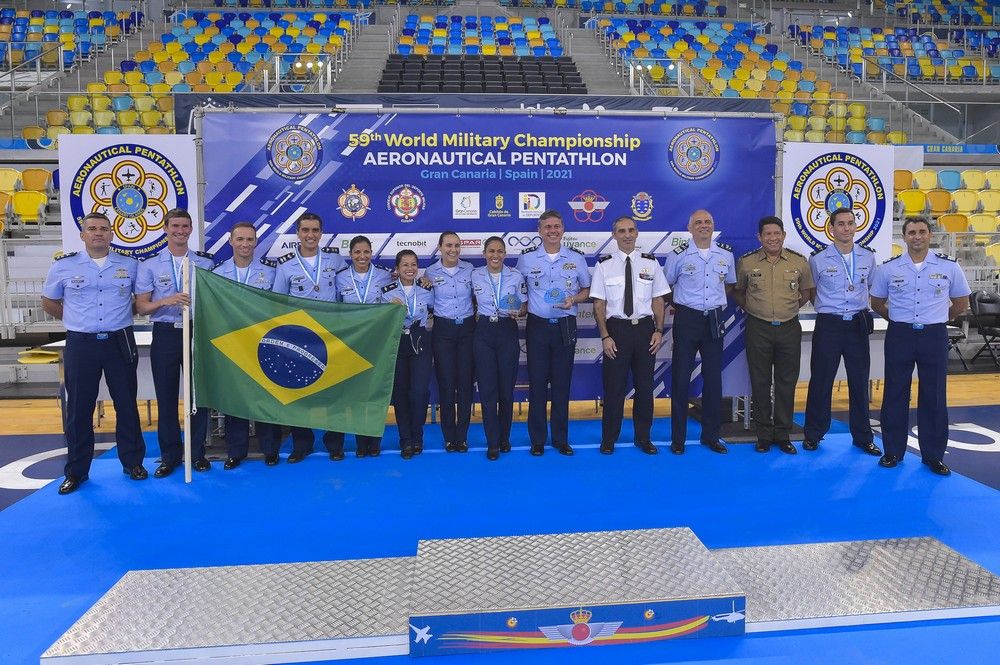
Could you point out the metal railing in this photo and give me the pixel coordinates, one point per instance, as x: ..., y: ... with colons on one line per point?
x: 656, y: 77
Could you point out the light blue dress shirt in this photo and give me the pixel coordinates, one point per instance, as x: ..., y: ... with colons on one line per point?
x: 293, y: 275
x: 550, y: 282
x: 419, y: 303
x: 697, y: 282
x: 452, y: 293
x: 160, y: 276
x: 842, y: 282
x: 363, y: 288
x: 259, y: 274
x: 508, y: 288
x: 920, y: 296
x: 94, y: 299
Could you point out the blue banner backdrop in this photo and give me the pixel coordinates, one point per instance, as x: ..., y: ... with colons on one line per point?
x: 402, y: 178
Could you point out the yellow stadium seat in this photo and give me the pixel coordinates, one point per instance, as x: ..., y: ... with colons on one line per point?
x: 897, y: 249
x: 856, y: 110
x: 83, y: 129
x: 939, y: 201
x: 127, y: 118
x: 112, y: 76
x: 974, y: 179
x: 30, y: 206
x: 897, y: 137
x: 989, y: 200
x: 985, y: 223
x: 100, y: 102
x: 992, y: 178
x: 133, y: 129
x: 80, y: 118
x: 77, y: 102
x: 815, y: 137
x: 954, y: 223
x: 926, y: 179
x: 856, y: 124
x: 796, y: 122
x: 38, y: 180
x: 151, y: 118
x: 838, y: 124
x: 914, y: 201
x: 10, y: 179
x: 56, y: 117
x: 817, y: 123
x: 103, y: 118
x: 902, y: 179
x: 53, y: 133
x: 966, y: 201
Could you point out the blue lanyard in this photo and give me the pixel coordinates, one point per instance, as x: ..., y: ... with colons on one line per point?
x: 314, y: 280
x: 850, y: 268
x: 363, y: 298
x: 246, y: 277
x: 178, y: 277
x: 411, y: 309
x: 499, y: 287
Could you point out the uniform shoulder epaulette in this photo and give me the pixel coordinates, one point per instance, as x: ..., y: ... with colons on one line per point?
x: 205, y: 255
x: 725, y: 245
x: 792, y: 251
x: 604, y: 258
x: 287, y: 257
x: 946, y: 257
x: 891, y: 259
x: 648, y: 256
x: 426, y: 287
x: 574, y: 249
x: 66, y: 256
x: 390, y: 287
x: 330, y: 250
x: 681, y: 248
x: 752, y: 251
x: 381, y: 267
x: 866, y: 247
x: 217, y: 265
x: 817, y: 251
x: 347, y: 267
x: 528, y: 249
x: 271, y: 263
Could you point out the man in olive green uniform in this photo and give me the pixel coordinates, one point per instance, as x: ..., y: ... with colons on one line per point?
x: 771, y: 284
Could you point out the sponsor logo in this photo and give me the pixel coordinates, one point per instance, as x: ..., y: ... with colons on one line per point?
x: 530, y: 205
x: 406, y: 202
x: 499, y: 209
x: 578, y: 243
x: 642, y: 207
x: 693, y: 153
x: 524, y: 241
x: 588, y: 206
x: 465, y: 205
x: 294, y: 152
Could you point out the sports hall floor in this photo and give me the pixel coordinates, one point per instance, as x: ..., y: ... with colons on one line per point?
x: 60, y: 554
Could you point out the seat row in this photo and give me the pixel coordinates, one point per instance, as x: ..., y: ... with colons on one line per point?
x: 711, y: 8
x: 513, y: 75
x: 967, y: 12
x: 937, y: 202
x: 474, y: 35
x: 33, y: 179
x: 950, y: 179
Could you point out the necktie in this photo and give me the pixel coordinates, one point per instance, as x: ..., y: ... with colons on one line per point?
x: 628, y: 287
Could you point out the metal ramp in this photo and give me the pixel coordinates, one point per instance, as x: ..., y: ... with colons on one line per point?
x: 550, y: 591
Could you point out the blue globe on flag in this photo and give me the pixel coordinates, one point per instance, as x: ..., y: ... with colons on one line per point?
x: 292, y: 356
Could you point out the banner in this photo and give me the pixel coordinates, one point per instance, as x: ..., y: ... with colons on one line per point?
x: 290, y: 361
x: 133, y: 182
x: 403, y: 178
x: 819, y: 178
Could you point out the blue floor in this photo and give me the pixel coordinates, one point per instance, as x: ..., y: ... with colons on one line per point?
x: 60, y: 554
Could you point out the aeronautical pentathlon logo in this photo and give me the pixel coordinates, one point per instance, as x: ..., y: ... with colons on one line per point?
x: 294, y: 152
x: 837, y: 181
x: 642, y: 207
x: 588, y: 206
x: 134, y: 186
x: 581, y: 631
x: 693, y: 153
x: 406, y: 202
x: 353, y: 203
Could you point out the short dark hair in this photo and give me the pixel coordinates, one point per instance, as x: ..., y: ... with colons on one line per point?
x: 549, y: 214
x: 614, y: 225
x: 359, y: 239
x: 95, y: 215
x: 839, y: 211
x: 307, y: 215
x: 445, y: 234
x: 486, y: 243
x: 770, y: 219
x: 242, y: 225
x: 176, y: 212
x: 915, y: 219
x: 402, y: 254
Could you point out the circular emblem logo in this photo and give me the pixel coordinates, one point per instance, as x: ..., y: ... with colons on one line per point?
x: 406, y: 202
x: 642, y: 207
x: 294, y: 152
x: 693, y: 153
x: 353, y: 203
x: 134, y: 186
x: 292, y: 356
x: 837, y: 181
x: 588, y: 206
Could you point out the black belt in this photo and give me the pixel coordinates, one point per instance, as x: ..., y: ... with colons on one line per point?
x: 542, y: 319
x: 918, y: 326
x: 103, y: 335
x: 634, y: 322
x: 702, y: 312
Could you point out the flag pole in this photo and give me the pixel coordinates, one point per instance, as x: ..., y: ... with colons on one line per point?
x: 186, y: 370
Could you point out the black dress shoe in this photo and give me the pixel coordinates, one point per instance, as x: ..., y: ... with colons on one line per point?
x: 537, y: 450
x: 462, y: 447
x: 418, y: 448
x: 201, y: 464
x: 762, y: 447
x: 869, y: 448
x: 451, y: 447
x: 231, y: 463
x: 492, y: 454
x: 374, y: 450
x: 505, y: 447
x: 646, y: 447
x: 787, y: 447
x: 137, y: 472
x: 271, y: 460
x: 565, y: 449
x: 406, y: 453
x: 809, y: 444
x: 607, y: 449
x: 164, y: 470
x: 677, y: 448
x: 939, y: 467
x: 295, y: 457
x: 70, y: 485
x: 888, y: 461
x: 715, y: 447
x: 360, y: 452
x: 336, y: 455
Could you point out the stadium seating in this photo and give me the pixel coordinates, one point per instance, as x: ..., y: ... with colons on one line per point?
x: 73, y: 35
x: 966, y: 13
x: 478, y: 35
x: 649, y: 7
x: 964, y: 202
x: 489, y: 74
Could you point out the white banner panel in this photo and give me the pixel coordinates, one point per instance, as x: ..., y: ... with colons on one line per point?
x: 134, y: 180
x: 819, y: 178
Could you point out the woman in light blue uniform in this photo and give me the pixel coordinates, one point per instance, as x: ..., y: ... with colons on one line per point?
x: 411, y: 387
x: 362, y: 282
x: 501, y: 298
x: 454, y: 325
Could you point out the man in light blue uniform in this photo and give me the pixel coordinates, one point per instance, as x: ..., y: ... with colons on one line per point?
x: 309, y: 272
x: 918, y: 292
x: 701, y: 275
x: 842, y: 273
x: 162, y: 294
x: 558, y: 280
x: 259, y: 274
x: 91, y: 291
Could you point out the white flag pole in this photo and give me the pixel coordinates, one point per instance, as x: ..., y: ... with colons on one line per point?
x: 186, y: 370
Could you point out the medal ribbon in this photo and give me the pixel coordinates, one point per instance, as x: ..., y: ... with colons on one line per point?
x: 498, y: 287
x: 848, y: 267
x: 246, y: 275
x: 314, y: 280
x: 362, y: 298
x: 178, y: 271
x: 411, y: 310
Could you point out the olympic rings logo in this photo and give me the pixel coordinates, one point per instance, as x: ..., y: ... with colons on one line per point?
x: 523, y: 241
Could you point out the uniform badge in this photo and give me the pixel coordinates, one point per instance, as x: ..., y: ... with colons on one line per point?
x: 353, y: 203
x: 569, y: 266
x: 642, y: 207
x: 406, y: 202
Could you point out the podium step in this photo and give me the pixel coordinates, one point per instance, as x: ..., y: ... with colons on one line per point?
x: 858, y: 582
x: 568, y: 590
x: 279, y: 613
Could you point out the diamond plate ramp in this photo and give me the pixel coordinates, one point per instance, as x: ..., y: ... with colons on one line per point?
x: 568, y: 590
x: 851, y: 583
x: 279, y: 613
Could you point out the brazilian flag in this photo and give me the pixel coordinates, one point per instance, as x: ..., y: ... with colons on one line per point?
x: 279, y: 359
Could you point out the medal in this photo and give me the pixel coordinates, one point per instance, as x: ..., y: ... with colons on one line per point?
x: 850, y: 288
x: 314, y: 280
x: 316, y: 287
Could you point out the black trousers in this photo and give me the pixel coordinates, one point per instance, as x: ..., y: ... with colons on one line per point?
x: 165, y: 359
x: 411, y: 386
x: 693, y: 334
x: 927, y: 349
x: 633, y: 358
x: 833, y: 339
x: 453, y: 361
x: 87, y: 356
x: 773, y: 359
x: 551, y: 349
x: 496, y: 350
x: 238, y: 437
x: 303, y: 440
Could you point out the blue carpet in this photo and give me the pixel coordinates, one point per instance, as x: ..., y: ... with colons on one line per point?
x: 60, y: 554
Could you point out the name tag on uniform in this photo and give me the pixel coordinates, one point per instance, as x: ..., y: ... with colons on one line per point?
x: 918, y: 326
x: 102, y: 335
